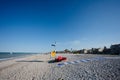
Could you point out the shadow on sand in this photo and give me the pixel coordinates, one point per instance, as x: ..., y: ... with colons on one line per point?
x: 52, y: 61
x: 30, y: 61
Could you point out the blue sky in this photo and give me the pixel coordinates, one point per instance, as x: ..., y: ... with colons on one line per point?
x: 33, y: 25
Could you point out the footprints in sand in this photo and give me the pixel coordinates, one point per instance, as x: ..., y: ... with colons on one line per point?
x: 79, y: 61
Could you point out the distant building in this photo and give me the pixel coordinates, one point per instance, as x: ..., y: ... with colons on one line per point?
x: 89, y: 51
x: 67, y: 51
x: 83, y: 51
x: 115, y: 49
x: 96, y: 51
x: 100, y: 49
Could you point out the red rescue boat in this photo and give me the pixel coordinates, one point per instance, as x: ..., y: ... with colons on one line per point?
x: 60, y: 58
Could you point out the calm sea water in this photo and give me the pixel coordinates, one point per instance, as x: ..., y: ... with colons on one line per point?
x: 8, y: 55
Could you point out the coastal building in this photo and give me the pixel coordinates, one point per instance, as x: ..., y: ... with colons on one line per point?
x: 83, y: 51
x: 115, y: 49
x: 100, y: 49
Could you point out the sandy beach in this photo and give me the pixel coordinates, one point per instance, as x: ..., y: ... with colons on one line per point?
x: 76, y: 67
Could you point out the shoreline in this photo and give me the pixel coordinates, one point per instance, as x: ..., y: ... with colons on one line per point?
x: 21, y: 56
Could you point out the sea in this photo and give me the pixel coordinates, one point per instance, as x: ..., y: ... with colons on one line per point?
x: 12, y: 55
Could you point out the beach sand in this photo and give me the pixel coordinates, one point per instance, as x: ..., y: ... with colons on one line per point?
x: 38, y: 67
